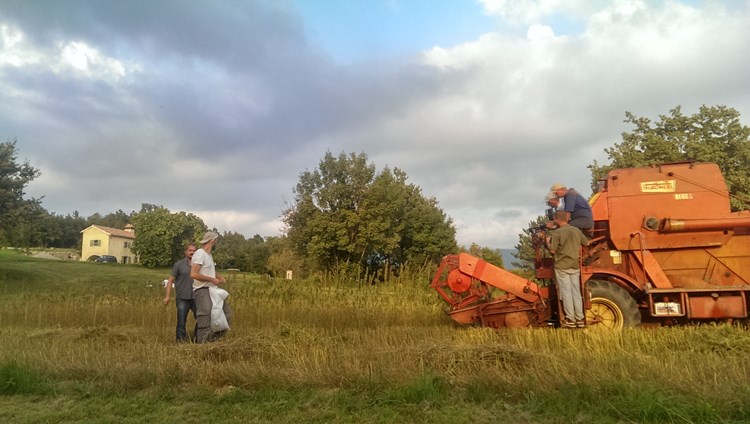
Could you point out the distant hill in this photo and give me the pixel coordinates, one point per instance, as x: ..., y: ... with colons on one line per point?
x: 508, y: 258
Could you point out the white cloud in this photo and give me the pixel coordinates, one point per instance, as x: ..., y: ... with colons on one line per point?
x: 526, y: 12
x: 14, y: 51
x: 540, y: 32
x: 90, y: 62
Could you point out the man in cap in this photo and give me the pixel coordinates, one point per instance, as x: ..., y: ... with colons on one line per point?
x: 576, y: 206
x: 203, y: 271
x: 555, y: 204
x: 565, y: 245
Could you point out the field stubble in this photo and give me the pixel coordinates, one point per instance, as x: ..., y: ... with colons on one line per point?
x: 113, y: 335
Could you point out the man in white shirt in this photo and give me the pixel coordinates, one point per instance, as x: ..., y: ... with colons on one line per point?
x: 203, y: 272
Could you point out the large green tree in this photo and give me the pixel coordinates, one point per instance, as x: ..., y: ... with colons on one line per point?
x: 161, y: 236
x: 714, y: 134
x: 348, y: 216
x: 17, y: 214
x: 235, y: 251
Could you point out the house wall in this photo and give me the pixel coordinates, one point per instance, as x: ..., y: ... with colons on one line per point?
x: 108, y: 245
x: 117, y: 249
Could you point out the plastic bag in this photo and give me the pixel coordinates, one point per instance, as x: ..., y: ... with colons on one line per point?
x: 218, y: 319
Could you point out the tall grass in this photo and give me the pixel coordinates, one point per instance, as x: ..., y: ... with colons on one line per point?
x: 90, y: 329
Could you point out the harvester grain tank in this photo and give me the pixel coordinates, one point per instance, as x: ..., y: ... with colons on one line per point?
x: 665, y: 249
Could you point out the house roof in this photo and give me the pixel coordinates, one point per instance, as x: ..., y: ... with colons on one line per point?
x: 113, y: 231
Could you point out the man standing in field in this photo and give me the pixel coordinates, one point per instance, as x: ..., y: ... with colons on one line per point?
x: 183, y: 287
x: 565, y: 245
x: 203, y: 272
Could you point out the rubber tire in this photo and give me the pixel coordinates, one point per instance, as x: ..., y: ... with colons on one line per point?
x: 612, y: 303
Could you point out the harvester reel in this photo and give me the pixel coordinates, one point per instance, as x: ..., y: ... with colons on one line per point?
x: 458, y: 281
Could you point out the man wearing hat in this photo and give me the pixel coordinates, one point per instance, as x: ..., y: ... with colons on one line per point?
x: 577, y: 207
x: 565, y: 245
x: 555, y: 204
x: 203, y: 271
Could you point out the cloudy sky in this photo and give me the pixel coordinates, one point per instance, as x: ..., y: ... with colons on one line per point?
x: 216, y: 107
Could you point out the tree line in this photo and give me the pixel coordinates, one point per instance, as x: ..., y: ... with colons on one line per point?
x: 347, y: 218
x: 351, y: 219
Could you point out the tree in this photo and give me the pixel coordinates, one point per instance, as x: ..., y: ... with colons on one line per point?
x: 232, y: 251
x: 31, y: 228
x: 15, y: 211
x: 525, y: 250
x: 348, y: 217
x: 117, y: 219
x: 161, y: 236
x: 428, y: 233
x: 70, y: 228
x: 493, y: 256
x: 256, y: 255
x: 714, y: 134
x: 282, y: 258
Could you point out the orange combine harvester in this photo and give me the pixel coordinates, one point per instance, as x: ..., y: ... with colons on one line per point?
x: 666, y: 249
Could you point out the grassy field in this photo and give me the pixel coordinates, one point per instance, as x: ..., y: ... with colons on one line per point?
x: 85, y: 342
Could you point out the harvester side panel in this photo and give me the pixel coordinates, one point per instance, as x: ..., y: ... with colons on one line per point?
x: 682, y: 191
x: 727, y: 265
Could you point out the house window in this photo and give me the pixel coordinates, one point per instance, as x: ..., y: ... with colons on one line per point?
x: 95, y: 243
x: 127, y: 245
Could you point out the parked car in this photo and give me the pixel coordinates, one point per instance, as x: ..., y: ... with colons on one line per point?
x: 106, y: 259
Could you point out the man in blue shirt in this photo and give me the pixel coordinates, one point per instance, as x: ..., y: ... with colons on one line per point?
x: 576, y: 206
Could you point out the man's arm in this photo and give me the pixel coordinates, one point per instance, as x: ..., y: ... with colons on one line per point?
x: 170, y: 281
x: 196, y: 275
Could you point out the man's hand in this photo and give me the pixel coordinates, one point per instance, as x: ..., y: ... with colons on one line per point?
x: 166, y: 300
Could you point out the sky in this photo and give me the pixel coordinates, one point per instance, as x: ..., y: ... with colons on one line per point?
x: 215, y: 108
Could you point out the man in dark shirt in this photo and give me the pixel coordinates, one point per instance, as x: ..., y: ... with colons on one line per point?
x: 183, y: 284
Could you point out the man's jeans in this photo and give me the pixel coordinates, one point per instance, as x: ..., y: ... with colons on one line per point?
x: 183, y: 306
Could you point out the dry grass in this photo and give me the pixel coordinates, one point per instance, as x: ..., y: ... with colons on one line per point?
x: 304, y: 336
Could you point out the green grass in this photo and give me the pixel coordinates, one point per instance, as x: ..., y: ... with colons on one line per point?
x: 84, y: 342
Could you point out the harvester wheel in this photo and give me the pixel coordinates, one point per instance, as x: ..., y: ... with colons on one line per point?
x: 611, y: 306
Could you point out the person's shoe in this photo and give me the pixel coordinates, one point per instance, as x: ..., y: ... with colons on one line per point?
x: 580, y: 323
x: 568, y: 324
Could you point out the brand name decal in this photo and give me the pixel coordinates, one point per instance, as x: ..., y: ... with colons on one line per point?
x: 667, y: 186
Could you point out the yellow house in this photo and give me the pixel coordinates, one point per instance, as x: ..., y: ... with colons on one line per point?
x: 99, y: 240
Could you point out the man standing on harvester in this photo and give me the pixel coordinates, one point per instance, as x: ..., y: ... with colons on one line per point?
x: 576, y: 206
x: 565, y: 245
